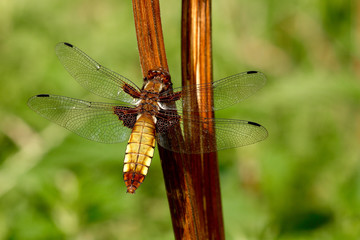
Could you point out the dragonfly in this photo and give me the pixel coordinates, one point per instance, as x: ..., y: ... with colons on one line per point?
x: 144, y: 116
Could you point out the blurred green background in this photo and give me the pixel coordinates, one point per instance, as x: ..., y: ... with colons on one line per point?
x: 303, y: 182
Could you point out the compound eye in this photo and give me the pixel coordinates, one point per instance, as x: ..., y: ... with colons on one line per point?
x: 160, y: 72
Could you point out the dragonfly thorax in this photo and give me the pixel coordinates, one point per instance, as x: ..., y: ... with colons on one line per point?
x: 149, y: 106
x: 149, y: 96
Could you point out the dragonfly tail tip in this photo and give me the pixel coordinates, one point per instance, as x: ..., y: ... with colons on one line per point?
x: 131, y: 189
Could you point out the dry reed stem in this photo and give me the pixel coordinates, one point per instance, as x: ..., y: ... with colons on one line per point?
x: 192, y: 181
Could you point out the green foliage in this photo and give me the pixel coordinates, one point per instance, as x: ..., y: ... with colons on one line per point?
x: 301, y: 183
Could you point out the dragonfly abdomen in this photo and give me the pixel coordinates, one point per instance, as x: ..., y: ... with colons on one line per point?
x: 139, y: 152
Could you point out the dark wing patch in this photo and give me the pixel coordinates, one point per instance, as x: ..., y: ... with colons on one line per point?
x: 127, y: 115
x: 166, y: 120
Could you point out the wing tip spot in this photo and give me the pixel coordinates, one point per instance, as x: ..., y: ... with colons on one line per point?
x: 251, y: 72
x: 254, y: 123
x: 68, y: 44
x: 43, y: 95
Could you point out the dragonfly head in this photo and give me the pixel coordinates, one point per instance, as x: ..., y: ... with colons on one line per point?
x: 160, y: 74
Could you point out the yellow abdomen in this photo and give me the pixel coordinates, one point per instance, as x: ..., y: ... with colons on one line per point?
x: 139, y: 152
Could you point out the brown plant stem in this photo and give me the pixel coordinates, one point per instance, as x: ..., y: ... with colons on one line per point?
x: 192, y: 181
x: 196, y: 62
x: 149, y: 35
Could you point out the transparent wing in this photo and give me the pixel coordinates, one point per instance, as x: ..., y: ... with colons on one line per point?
x: 229, y: 133
x: 94, y: 121
x: 226, y: 92
x: 92, y: 76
